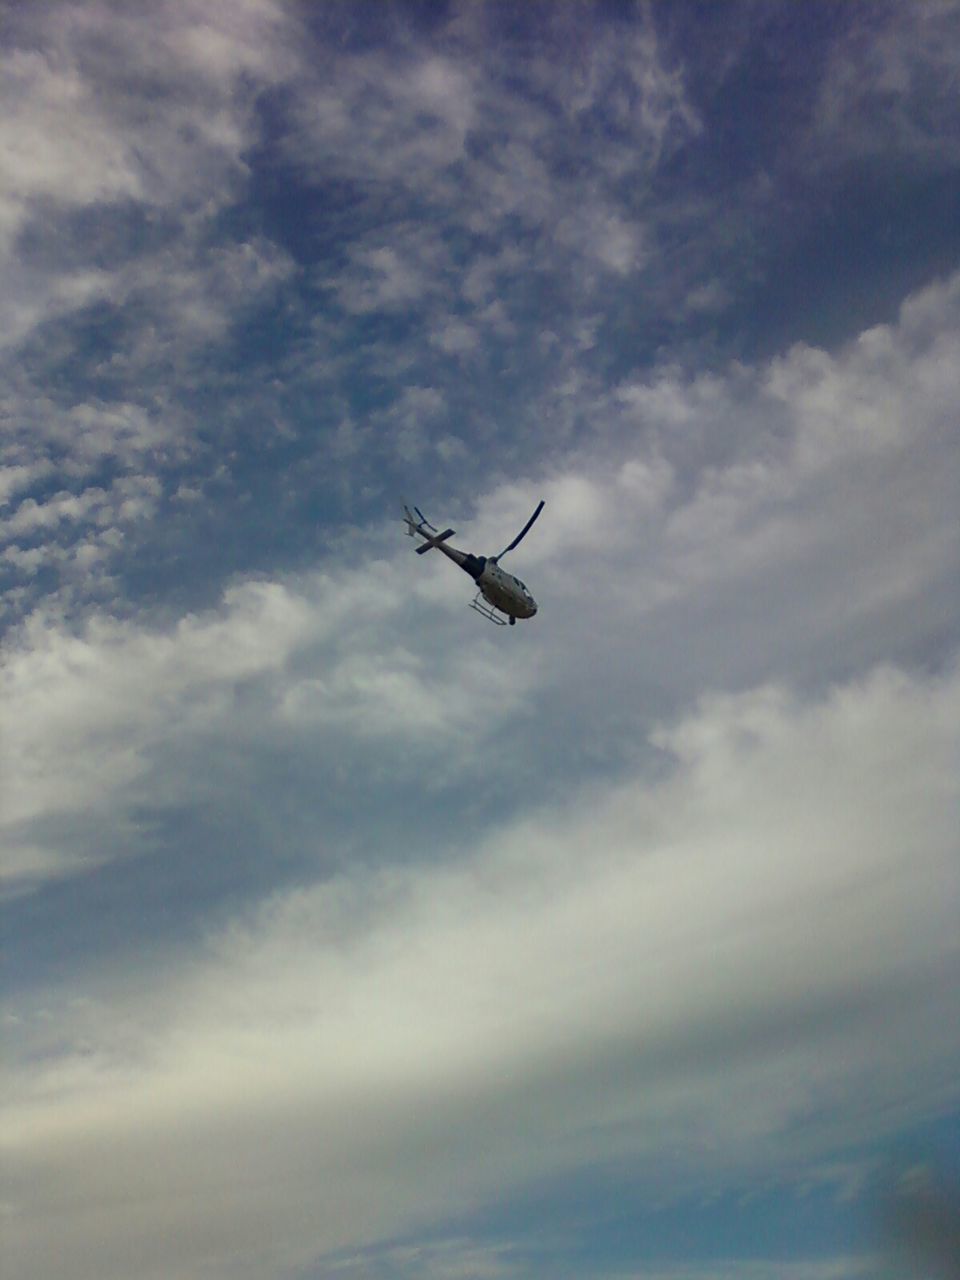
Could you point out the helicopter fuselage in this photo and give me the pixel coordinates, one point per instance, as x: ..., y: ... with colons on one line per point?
x: 499, y: 588
x: 505, y: 592
x: 501, y: 592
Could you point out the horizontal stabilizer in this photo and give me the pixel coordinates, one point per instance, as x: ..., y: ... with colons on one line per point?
x: 434, y: 542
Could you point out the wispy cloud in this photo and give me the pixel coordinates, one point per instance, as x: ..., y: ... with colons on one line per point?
x: 348, y: 934
x: 765, y: 924
x: 885, y: 90
x: 76, y: 133
x: 750, y: 483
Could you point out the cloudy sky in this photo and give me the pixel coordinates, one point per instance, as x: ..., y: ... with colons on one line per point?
x: 347, y: 935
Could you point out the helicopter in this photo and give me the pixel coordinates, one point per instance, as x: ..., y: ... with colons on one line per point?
x: 501, y: 598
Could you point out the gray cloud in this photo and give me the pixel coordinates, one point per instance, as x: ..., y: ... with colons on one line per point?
x: 830, y: 507
x: 454, y: 1258
x: 885, y: 93
x: 336, y: 916
x: 123, y: 141
x: 76, y: 134
x: 724, y: 964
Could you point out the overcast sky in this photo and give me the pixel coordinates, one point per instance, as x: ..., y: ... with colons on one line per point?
x: 348, y: 936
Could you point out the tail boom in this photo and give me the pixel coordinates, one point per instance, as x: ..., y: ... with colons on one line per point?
x: 433, y: 540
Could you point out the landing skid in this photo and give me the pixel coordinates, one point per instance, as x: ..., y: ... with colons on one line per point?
x: 486, y: 609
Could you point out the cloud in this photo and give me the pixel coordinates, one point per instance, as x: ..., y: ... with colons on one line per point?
x: 113, y: 684
x: 448, y: 127
x: 453, y: 1258
x: 807, y: 500
x: 74, y: 132
x: 110, y: 112
x: 724, y: 965
x: 845, y: 1267
x: 338, y: 918
x: 504, y: 203
x: 392, y: 277
x: 99, y: 719
x: 885, y: 89
x: 124, y: 140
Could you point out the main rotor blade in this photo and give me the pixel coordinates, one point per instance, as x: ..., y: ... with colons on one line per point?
x: 522, y: 534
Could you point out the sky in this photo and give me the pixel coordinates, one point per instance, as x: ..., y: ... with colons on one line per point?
x: 347, y: 936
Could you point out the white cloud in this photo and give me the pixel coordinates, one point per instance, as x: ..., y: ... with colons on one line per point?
x: 94, y: 716
x: 452, y: 132
x: 74, y: 130
x: 887, y: 90
x: 460, y: 1258
x: 449, y: 1259
x: 585, y: 911
x: 145, y: 119
x: 53, y: 142
x: 601, y: 235
x: 463, y: 1259
x: 709, y: 297
x: 20, y: 476
x: 455, y: 338
x: 373, y: 115
x: 103, y: 108
x: 844, y: 1267
x: 620, y: 72
x: 821, y: 540
x: 710, y: 966
x: 115, y: 686
x: 391, y: 277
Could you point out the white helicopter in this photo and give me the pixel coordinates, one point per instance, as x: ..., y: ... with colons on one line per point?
x: 501, y: 597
